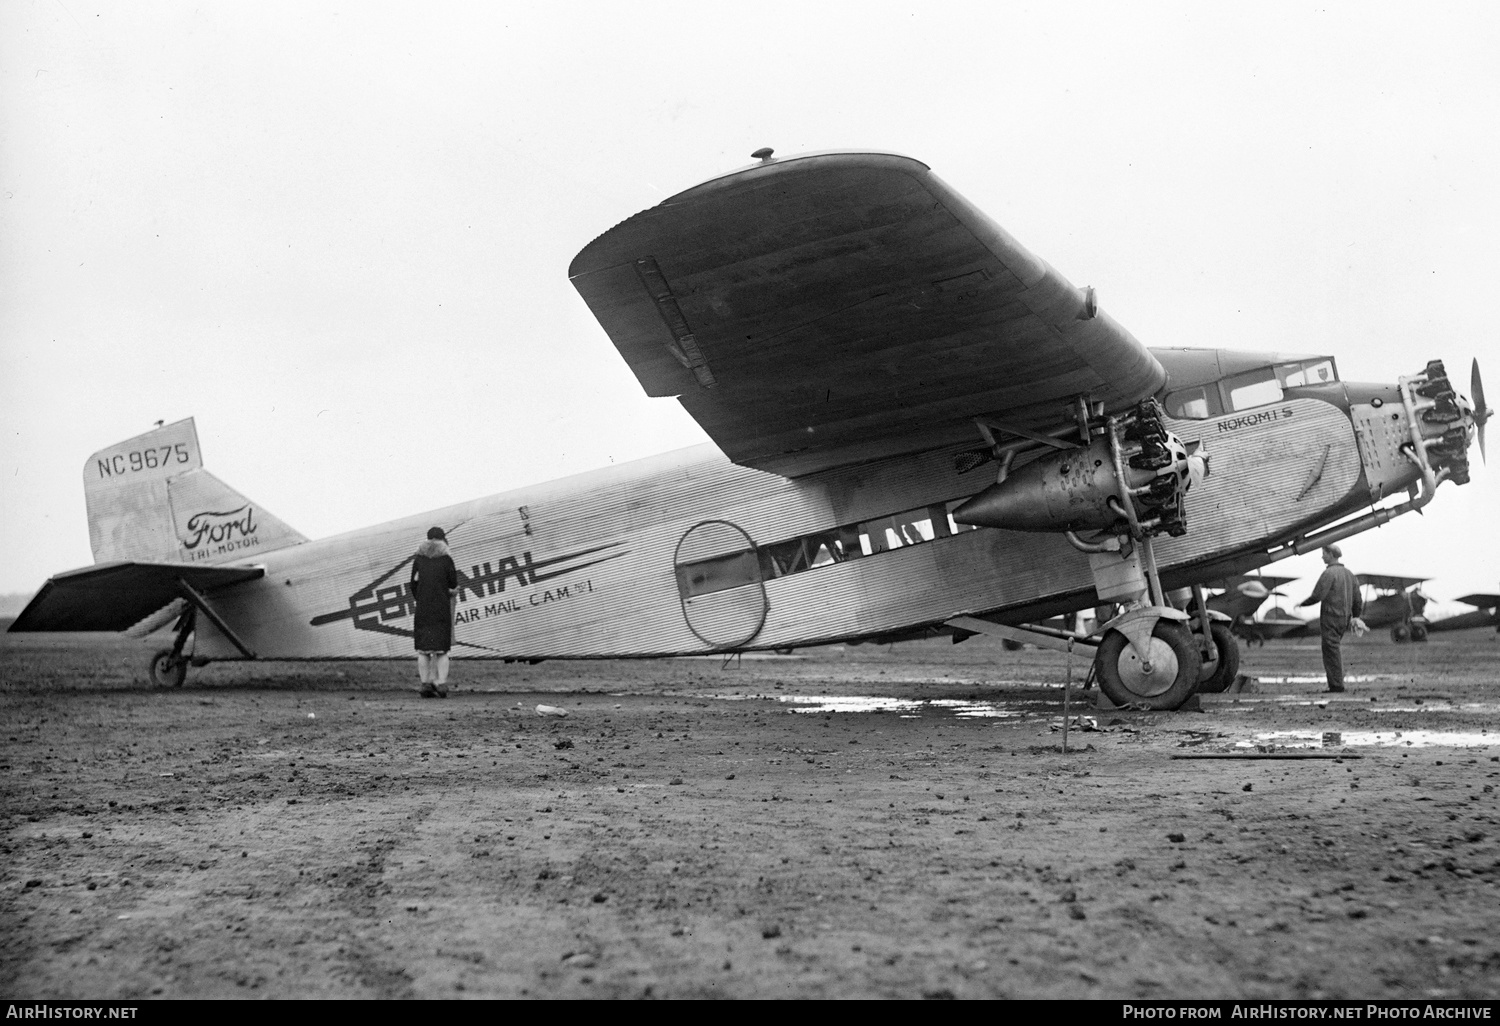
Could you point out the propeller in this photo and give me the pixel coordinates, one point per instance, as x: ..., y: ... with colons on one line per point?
x: 1481, y: 411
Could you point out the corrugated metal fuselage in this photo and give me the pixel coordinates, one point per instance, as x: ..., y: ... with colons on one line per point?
x: 688, y: 553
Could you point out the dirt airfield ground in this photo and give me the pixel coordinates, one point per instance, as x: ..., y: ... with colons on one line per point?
x: 691, y: 829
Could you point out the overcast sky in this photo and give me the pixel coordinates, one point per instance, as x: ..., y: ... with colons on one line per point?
x: 338, y: 235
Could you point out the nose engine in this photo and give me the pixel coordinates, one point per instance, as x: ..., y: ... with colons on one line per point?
x: 1428, y: 437
x: 1444, y: 422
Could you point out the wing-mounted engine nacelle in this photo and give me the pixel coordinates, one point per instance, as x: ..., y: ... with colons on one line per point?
x: 1130, y: 478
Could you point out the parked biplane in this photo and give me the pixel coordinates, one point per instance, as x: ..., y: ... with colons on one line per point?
x: 919, y: 426
x: 1241, y: 597
x: 1394, y: 602
x: 1486, y: 614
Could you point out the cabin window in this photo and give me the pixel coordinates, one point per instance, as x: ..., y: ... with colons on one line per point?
x: 954, y: 527
x: 1198, y: 403
x: 915, y: 526
x: 1253, y: 388
x: 896, y: 532
x: 821, y: 548
x: 718, y: 574
x: 789, y: 557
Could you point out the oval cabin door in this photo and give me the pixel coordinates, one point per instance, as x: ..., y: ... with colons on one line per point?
x: 719, y: 580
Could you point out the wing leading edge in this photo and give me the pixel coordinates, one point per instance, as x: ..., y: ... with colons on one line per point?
x: 117, y: 596
x: 824, y: 310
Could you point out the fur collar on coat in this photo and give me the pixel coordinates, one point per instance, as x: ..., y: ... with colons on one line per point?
x: 433, y: 548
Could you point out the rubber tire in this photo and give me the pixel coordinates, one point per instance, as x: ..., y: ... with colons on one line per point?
x: 1418, y: 632
x: 167, y: 672
x: 1400, y: 634
x: 1229, y: 661
x: 1183, y: 647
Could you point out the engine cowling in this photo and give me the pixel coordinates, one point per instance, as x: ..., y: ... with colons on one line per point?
x: 1078, y: 490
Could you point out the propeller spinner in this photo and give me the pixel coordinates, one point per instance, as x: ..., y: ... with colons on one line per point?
x: 1481, y: 411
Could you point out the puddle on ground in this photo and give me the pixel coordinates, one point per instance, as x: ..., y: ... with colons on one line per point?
x: 973, y: 708
x: 907, y: 708
x: 1381, y: 738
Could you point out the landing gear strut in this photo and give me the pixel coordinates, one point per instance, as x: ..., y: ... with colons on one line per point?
x: 1217, y: 677
x: 1149, y: 657
x: 169, y: 665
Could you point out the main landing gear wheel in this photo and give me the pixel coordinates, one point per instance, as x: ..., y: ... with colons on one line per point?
x: 1164, y: 681
x: 168, y: 669
x: 1219, y: 675
x: 1400, y: 634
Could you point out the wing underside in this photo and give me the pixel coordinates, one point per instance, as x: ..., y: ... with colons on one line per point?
x: 831, y: 309
x: 1388, y: 582
x: 118, y: 596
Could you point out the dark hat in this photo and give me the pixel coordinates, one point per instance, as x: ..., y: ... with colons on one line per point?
x: 436, y: 534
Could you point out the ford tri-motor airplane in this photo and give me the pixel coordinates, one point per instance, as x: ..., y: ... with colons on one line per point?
x: 920, y: 428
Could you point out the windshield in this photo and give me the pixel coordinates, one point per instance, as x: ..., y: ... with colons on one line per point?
x: 1259, y: 387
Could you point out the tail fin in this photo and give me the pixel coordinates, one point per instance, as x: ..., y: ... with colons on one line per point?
x: 149, y: 499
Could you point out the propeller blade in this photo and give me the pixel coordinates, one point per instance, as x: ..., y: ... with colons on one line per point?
x: 1481, y: 411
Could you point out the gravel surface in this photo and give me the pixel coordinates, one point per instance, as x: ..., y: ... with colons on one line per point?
x: 843, y: 822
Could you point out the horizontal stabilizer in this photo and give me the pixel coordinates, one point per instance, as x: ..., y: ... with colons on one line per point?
x: 1480, y: 599
x: 117, y: 596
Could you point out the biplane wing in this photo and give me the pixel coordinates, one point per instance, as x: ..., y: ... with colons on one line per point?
x: 117, y: 596
x: 829, y: 309
x: 1389, y: 582
x: 1269, y: 582
x: 1486, y: 613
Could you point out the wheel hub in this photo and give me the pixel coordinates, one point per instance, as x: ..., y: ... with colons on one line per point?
x: 1151, y: 676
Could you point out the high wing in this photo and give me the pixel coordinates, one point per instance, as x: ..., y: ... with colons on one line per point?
x: 828, y: 309
x: 1268, y: 581
x: 1389, y: 582
x: 117, y: 596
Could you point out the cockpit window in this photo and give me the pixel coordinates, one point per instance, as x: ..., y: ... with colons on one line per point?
x: 1253, y: 388
x: 1259, y: 387
x: 1264, y: 386
x: 1198, y: 403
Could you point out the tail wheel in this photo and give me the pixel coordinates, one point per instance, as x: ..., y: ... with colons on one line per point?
x: 168, y: 669
x: 1222, y: 673
x: 1163, y: 681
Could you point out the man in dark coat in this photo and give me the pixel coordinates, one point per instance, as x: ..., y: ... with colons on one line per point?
x: 434, y: 584
x: 1342, y: 603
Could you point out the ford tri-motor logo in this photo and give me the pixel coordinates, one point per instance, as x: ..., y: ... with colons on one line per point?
x: 221, y: 531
